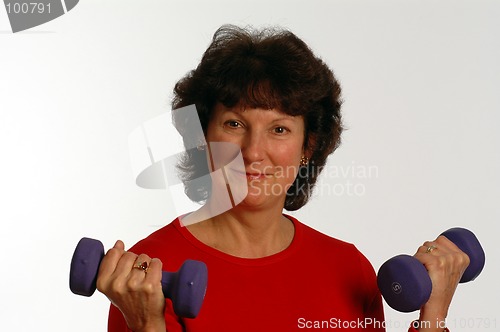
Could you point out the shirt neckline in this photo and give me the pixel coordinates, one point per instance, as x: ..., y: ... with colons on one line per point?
x: 297, y: 238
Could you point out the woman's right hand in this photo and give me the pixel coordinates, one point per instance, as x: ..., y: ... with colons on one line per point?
x: 136, y: 292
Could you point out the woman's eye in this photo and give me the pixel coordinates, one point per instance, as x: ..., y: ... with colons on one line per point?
x: 280, y: 130
x: 232, y: 124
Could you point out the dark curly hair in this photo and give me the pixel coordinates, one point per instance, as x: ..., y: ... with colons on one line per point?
x: 268, y: 68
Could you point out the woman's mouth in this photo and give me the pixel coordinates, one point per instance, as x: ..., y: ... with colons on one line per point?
x: 252, y: 176
x: 256, y: 176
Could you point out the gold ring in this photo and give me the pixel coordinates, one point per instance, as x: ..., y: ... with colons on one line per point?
x: 430, y: 249
x: 142, y: 266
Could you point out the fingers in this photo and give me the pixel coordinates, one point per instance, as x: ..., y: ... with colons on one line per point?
x: 134, y: 264
x: 110, y: 260
x: 119, y: 245
x: 154, y: 270
x: 152, y: 279
x: 445, y: 263
x: 133, y: 284
x: 442, y: 251
x: 121, y: 271
x: 441, y: 243
x: 134, y: 270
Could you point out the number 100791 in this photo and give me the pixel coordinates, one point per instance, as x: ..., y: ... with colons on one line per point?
x: 28, y: 8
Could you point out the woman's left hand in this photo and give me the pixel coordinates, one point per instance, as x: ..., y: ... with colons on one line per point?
x: 137, y: 294
x: 445, y: 263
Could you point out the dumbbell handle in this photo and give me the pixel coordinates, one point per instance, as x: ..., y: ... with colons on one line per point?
x: 405, y: 283
x: 186, y: 287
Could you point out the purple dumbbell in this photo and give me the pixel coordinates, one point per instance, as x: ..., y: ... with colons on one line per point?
x: 186, y: 287
x: 405, y: 283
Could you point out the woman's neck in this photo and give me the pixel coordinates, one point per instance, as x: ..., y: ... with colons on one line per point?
x: 247, y: 234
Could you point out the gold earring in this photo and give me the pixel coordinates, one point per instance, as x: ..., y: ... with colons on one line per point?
x: 303, y: 161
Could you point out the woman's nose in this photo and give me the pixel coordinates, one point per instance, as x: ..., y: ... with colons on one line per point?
x: 253, y: 147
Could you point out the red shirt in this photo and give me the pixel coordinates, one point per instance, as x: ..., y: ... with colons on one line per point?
x: 317, y: 283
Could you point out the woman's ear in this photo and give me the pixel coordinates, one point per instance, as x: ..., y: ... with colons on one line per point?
x: 309, y: 146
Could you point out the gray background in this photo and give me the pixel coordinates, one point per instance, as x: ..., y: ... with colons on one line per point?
x: 420, y: 83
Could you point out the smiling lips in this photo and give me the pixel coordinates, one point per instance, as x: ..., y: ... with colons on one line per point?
x: 253, y: 175
x: 257, y: 176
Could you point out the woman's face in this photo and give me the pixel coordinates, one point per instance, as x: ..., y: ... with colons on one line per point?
x: 271, y: 145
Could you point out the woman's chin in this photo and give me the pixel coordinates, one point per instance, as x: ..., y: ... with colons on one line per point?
x: 256, y: 199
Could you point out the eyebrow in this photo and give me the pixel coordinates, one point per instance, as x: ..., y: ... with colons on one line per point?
x: 290, y: 118
x: 280, y: 118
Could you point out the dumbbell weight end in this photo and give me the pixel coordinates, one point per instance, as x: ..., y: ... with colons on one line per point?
x: 404, y: 283
x: 186, y: 287
x: 85, y: 266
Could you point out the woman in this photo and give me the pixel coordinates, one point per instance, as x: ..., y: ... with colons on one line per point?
x: 265, y: 92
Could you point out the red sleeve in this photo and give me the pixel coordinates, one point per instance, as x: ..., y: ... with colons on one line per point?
x: 116, y: 322
x: 374, y: 308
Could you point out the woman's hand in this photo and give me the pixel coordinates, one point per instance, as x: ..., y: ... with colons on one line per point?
x: 135, y: 291
x: 445, y: 263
